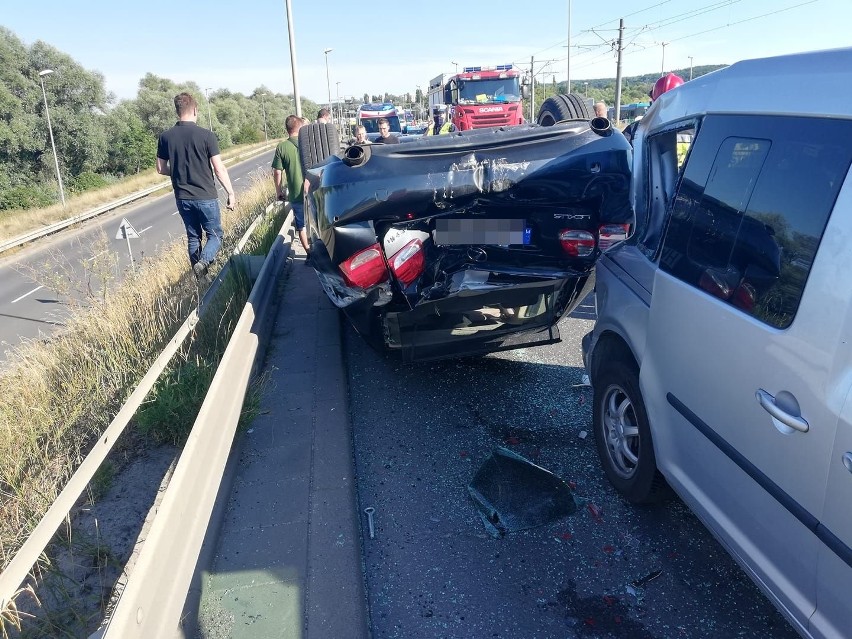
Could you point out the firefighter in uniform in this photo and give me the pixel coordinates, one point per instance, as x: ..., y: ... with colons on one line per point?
x: 439, y: 123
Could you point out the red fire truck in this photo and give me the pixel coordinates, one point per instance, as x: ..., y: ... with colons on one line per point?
x: 480, y: 96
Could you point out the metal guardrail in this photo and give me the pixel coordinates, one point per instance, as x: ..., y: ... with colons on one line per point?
x: 153, y: 600
x: 63, y: 224
x: 19, y: 567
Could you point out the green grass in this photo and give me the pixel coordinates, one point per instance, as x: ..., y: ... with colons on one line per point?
x: 57, y: 396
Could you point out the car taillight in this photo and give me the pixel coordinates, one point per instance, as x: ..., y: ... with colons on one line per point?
x: 577, y: 243
x: 366, y: 268
x: 609, y: 234
x: 408, y: 263
x: 744, y: 297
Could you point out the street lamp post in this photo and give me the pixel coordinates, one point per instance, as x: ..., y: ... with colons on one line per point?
x: 586, y: 89
x: 457, y: 66
x: 690, y: 67
x: 663, y: 64
x: 328, y: 77
x: 339, y: 111
x: 209, y: 114
x: 263, y: 108
x: 41, y: 75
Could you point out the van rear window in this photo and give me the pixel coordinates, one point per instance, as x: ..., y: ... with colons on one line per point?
x: 751, y: 209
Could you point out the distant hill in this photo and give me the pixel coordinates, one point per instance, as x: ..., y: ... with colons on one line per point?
x: 634, y: 88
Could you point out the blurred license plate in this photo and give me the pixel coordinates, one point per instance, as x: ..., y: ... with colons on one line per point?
x: 481, y: 231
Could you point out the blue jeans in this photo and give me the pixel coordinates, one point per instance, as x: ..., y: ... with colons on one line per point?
x: 198, y: 216
x: 298, y: 215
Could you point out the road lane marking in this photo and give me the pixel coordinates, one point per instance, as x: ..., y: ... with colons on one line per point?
x: 176, y: 212
x: 25, y: 294
x: 145, y: 229
x: 237, y: 179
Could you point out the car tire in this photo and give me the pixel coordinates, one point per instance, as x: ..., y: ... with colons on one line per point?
x: 623, y: 435
x: 562, y: 108
x: 317, y: 141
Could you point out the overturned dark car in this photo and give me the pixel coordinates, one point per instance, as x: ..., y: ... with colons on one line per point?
x: 468, y: 243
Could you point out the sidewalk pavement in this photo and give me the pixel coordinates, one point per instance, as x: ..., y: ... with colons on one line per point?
x: 288, y: 560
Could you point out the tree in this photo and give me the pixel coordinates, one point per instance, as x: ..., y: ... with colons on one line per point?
x: 132, y: 147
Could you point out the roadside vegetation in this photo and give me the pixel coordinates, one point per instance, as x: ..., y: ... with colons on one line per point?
x: 100, y: 140
x: 58, y: 395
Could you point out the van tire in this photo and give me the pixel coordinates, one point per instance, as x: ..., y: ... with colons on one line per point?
x: 562, y: 108
x: 317, y: 141
x: 618, y: 406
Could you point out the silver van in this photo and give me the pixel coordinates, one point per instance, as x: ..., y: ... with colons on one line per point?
x: 721, y: 359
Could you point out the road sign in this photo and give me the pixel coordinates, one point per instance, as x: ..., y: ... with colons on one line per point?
x: 126, y: 231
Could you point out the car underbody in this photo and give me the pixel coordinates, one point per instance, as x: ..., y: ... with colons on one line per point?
x: 467, y: 243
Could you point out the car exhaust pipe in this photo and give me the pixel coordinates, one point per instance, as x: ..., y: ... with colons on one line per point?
x: 356, y: 155
x: 601, y: 126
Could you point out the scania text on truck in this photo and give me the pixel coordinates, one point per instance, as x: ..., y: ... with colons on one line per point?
x: 480, y: 97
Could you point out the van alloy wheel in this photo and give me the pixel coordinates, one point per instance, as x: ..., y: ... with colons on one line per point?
x: 623, y: 435
x: 621, y: 431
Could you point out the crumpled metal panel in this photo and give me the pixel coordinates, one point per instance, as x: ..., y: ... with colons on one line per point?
x: 512, y: 493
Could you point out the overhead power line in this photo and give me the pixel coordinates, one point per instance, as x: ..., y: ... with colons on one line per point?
x: 731, y: 24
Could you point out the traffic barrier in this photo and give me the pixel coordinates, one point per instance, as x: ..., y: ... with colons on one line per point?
x: 19, y: 567
x: 152, y: 601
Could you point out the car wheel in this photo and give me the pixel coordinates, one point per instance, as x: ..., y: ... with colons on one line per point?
x: 317, y: 141
x: 561, y: 108
x: 622, y: 434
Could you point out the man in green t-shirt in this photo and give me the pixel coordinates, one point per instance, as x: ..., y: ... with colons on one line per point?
x: 287, y: 160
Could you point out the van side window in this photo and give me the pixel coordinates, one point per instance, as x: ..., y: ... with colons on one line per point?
x: 665, y: 153
x: 752, y: 207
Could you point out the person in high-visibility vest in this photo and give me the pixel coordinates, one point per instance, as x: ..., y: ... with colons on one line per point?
x: 439, y: 123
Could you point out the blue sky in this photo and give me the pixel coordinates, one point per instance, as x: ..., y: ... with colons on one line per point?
x: 240, y: 45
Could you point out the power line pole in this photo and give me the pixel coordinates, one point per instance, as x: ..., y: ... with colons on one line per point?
x: 618, y: 72
x: 532, y: 88
x: 568, y: 55
x: 296, y: 97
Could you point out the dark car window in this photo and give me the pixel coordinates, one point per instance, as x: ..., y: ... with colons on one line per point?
x: 665, y: 153
x: 751, y: 209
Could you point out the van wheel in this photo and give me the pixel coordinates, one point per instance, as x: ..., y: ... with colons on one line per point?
x: 561, y: 108
x: 622, y: 434
x: 317, y: 141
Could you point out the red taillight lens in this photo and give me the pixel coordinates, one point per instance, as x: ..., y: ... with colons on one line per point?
x: 408, y: 263
x: 744, y: 297
x: 366, y: 268
x: 608, y: 234
x: 577, y: 243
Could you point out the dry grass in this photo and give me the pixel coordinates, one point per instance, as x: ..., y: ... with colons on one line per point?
x: 57, y: 396
x: 17, y: 222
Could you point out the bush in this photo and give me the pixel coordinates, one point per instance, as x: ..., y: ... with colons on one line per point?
x: 248, y: 135
x: 26, y: 197
x: 87, y: 181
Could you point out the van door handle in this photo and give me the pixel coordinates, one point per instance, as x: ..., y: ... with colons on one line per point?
x: 781, y: 417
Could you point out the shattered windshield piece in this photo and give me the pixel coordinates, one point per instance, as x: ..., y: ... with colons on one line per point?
x: 512, y: 494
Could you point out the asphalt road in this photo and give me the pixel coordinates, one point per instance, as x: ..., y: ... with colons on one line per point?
x: 38, y: 284
x: 610, y: 570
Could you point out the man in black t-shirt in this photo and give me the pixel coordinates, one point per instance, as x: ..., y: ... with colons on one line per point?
x: 186, y: 152
x: 385, y: 136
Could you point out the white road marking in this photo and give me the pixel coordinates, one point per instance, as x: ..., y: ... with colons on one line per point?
x: 145, y: 229
x: 176, y: 212
x: 25, y: 294
x: 237, y: 179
